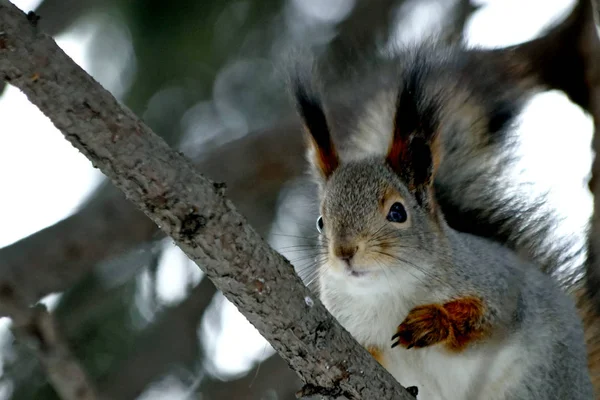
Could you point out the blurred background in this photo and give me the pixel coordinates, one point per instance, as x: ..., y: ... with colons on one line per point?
x: 208, y: 77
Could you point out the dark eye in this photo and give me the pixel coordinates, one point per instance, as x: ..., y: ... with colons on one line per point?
x: 397, y: 213
x: 320, y: 224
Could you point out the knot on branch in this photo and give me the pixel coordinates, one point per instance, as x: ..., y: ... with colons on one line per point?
x: 313, y: 390
x: 220, y: 188
x: 33, y: 18
x: 192, y: 223
x: 413, y: 390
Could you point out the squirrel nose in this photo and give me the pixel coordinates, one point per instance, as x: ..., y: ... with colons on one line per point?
x: 345, y: 252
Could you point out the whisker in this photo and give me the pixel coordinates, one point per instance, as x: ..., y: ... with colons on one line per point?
x: 415, y: 266
x: 408, y: 271
x: 299, y: 250
x: 295, y: 236
x: 383, y: 269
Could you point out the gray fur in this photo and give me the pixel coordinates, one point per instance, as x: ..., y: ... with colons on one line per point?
x: 523, y: 304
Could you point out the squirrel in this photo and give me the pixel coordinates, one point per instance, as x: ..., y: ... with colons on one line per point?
x: 418, y: 250
x: 456, y: 315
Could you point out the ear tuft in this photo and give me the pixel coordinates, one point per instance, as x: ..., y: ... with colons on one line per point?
x: 322, y: 153
x: 414, y: 150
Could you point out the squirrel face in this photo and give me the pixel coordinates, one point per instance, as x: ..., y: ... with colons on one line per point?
x: 368, y: 221
x: 378, y: 213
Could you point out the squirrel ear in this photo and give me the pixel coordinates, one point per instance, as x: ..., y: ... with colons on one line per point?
x: 322, y: 153
x: 413, y: 153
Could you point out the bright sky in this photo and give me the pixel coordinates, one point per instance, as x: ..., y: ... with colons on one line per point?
x: 36, y: 162
x: 44, y: 178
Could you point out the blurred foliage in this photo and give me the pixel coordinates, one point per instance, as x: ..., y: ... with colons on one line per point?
x: 184, y: 46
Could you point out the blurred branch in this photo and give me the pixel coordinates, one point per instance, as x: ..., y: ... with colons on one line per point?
x: 171, y: 341
x: 273, y: 374
x: 359, y: 36
x: 359, y: 26
x: 194, y: 212
x: 586, y: 92
x: 457, y: 20
x: 38, y: 328
x: 178, y: 327
x: 589, y: 315
x: 55, y: 258
x: 590, y: 48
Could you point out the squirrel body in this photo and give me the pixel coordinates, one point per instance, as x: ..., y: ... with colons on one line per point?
x: 525, y: 340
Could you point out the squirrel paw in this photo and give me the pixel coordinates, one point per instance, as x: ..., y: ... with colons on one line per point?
x: 424, y: 326
x: 457, y: 323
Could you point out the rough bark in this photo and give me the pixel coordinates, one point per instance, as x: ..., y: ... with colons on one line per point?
x: 194, y: 212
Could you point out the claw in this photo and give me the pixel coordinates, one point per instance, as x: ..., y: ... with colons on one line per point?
x: 413, y: 390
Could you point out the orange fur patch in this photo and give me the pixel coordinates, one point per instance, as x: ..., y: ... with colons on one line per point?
x: 325, y: 157
x: 436, y: 153
x: 377, y: 353
x: 397, y: 151
x: 456, y: 324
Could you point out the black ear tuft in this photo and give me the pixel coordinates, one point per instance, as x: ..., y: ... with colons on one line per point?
x: 413, y: 151
x: 311, y: 110
x: 324, y: 156
x: 422, y: 161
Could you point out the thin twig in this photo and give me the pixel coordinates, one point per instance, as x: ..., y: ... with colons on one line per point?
x: 37, y: 328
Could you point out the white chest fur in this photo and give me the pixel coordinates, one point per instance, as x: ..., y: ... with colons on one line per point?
x: 371, y: 312
x: 479, y: 374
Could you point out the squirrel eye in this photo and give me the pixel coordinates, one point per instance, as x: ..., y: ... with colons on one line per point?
x: 320, y: 224
x: 397, y: 213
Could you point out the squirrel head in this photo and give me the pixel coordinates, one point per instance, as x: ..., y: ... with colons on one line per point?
x: 378, y: 212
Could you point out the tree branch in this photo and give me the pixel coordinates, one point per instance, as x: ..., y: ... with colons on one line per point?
x: 36, y: 327
x: 194, y: 212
